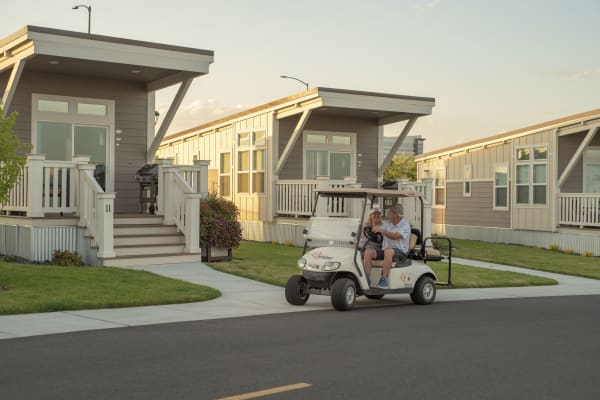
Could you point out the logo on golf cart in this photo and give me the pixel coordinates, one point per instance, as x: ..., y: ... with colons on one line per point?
x: 319, y: 255
x: 404, y: 278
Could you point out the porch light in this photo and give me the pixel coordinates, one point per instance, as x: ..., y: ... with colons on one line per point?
x: 89, y: 10
x: 296, y: 79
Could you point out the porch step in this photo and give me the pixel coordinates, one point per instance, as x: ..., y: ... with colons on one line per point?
x: 173, y: 258
x: 143, y: 230
x: 142, y: 240
x: 138, y: 219
x: 136, y: 250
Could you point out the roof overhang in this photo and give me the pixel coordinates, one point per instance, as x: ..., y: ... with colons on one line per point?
x: 75, y: 53
x: 384, y: 107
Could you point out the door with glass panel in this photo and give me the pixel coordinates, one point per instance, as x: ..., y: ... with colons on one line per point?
x: 60, y: 141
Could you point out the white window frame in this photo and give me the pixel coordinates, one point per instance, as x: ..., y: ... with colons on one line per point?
x: 435, y: 187
x: 330, y: 148
x: 468, y: 180
x: 495, y: 203
x: 74, y: 118
x: 531, y: 163
x: 222, y: 174
x: 586, y: 162
x: 251, y: 148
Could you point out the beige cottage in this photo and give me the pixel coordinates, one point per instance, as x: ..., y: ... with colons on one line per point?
x: 86, y: 104
x: 538, y: 186
x: 269, y: 159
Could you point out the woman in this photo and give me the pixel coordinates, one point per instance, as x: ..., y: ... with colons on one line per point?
x: 368, y: 238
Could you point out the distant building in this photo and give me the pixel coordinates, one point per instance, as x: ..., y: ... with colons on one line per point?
x: 411, y: 145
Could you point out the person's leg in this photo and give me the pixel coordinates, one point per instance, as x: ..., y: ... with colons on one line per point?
x: 388, y: 258
x: 370, y: 254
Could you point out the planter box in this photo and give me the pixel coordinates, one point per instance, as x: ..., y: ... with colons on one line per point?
x: 216, y: 254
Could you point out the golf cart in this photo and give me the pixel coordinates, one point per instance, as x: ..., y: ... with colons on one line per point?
x: 332, y: 264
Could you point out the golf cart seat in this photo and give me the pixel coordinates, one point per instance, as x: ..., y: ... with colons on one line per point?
x: 407, y: 261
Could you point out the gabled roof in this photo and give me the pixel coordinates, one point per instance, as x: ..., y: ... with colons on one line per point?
x: 59, y: 51
x: 555, y: 123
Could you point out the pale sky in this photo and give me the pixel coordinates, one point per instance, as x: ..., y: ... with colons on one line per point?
x: 492, y: 66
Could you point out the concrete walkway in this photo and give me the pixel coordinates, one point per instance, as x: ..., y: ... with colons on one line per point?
x: 243, y: 297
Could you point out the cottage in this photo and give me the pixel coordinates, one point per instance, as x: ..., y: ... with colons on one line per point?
x: 86, y: 104
x: 269, y: 159
x: 536, y: 186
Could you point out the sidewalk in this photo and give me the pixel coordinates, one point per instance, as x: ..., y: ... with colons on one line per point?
x: 243, y: 297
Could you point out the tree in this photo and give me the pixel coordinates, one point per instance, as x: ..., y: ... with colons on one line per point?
x: 401, y: 167
x: 12, y: 158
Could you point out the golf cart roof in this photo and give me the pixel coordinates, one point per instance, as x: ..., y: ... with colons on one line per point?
x: 366, y: 192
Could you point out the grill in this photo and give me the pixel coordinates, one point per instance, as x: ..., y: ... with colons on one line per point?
x: 147, y: 177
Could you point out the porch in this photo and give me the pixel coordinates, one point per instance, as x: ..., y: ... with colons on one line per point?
x: 58, y: 204
x: 581, y: 210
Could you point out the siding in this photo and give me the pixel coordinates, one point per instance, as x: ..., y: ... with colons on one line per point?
x: 536, y: 218
x: 366, y: 144
x: 476, y: 210
x: 130, y: 117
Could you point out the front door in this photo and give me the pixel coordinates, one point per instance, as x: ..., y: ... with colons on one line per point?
x: 64, y: 127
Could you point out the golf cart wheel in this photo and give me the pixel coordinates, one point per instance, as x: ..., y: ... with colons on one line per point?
x: 295, y: 290
x: 424, y: 291
x: 343, y: 294
x: 374, y: 296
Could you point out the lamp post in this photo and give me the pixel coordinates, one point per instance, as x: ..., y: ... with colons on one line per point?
x: 89, y: 10
x: 296, y: 79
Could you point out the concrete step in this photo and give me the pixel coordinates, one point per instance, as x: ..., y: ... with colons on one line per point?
x: 128, y: 240
x: 135, y: 250
x: 129, y: 261
x: 141, y: 230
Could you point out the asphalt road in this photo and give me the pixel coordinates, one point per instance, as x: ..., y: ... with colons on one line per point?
x: 538, y: 348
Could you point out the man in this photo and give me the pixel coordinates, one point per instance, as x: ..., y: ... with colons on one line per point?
x: 396, y: 237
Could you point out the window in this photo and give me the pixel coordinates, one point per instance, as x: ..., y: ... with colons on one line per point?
x: 225, y: 174
x: 439, y: 187
x: 467, y: 182
x: 251, y: 162
x: 501, y: 186
x: 329, y: 154
x: 531, y: 175
x: 592, y: 170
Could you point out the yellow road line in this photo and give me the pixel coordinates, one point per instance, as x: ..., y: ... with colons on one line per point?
x: 266, y: 392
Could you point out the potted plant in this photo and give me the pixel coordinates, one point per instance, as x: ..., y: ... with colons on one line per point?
x: 220, y: 230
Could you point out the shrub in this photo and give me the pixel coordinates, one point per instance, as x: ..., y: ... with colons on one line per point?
x: 218, y: 222
x: 554, y: 247
x: 66, y: 258
x: 588, y: 254
x: 569, y: 251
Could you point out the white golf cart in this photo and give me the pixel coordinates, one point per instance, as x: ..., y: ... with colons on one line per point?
x: 332, y: 264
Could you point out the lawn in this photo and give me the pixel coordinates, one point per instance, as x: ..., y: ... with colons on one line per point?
x: 528, y: 257
x: 30, y: 288
x: 274, y: 264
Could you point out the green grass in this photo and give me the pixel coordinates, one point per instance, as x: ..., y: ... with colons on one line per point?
x: 527, y: 257
x: 29, y: 288
x: 274, y: 264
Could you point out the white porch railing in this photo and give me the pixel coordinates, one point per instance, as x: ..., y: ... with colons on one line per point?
x: 65, y: 187
x: 297, y: 197
x: 579, y: 209
x: 180, y: 190
x: 96, y: 211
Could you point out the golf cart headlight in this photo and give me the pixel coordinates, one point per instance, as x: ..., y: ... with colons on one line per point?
x: 301, y: 263
x: 330, y: 266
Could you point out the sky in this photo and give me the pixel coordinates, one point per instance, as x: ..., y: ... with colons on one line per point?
x: 492, y: 66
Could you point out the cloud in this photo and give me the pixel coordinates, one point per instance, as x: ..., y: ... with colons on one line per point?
x: 427, y: 5
x: 569, y: 74
x: 198, y: 112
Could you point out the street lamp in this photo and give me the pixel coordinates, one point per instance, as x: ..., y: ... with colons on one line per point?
x: 89, y: 10
x: 296, y: 79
